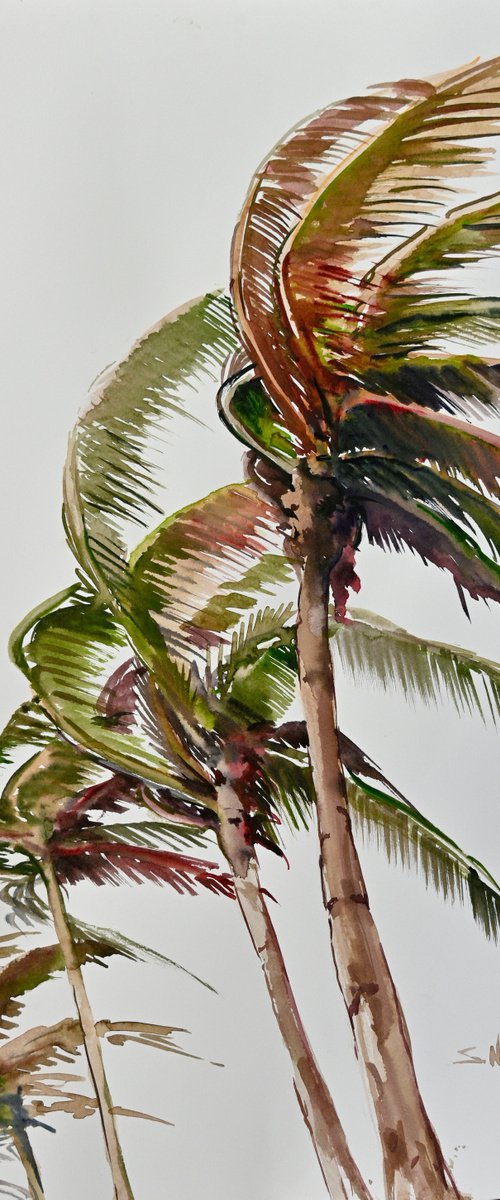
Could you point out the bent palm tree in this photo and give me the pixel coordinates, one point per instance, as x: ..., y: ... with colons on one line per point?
x: 30, y: 1088
x: 348, y: 305
x: 45, y: 817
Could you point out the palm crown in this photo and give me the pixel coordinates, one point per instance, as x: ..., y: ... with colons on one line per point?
x: 348, y: 293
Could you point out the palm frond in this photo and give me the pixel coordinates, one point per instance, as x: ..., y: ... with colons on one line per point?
x: 207, y: 565
x: 28, y: 971
x: 393, y: 522
x: 417, y: 305
x: 69, y: 656
x: 115, y: 477
x: 251, y: 415
x: 372, y: 649
x: 412, y: 436
x: 411, y: 841
x: 262, y: 629
x: 12, y: 1190
x: 320, y: 172
x: 29, y: 725
x: 129, y: 948
x: 19, y: 897
x: 101, y: 861
x: 463, y: 384
x: 373, y: 209
x: 48, y: 1045
x: 149, y: 834
x: 469, y: 516
x: 287, y: 785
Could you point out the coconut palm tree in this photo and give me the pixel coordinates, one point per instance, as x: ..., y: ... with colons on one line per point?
x: 46, y: 817
x: 30, y: 1087
x: 350, y: 285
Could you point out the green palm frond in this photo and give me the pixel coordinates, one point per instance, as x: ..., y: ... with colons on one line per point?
x: 29, y: 970
x: 257, y: 681
x: 399, y: 510
x: 262, y: 629
x: 265, y: 689
x: 411, y: 436
x: 68, y: 656
x: 467, y: 385
x: 128, y: 948
x: 115, y: 477
x: 151, y: 834
x: 289, y: 786
x: 251, y: 415
x: 372, y: 649
x: 29, y: 725
x: 381, y: 206
x: 409, y: 840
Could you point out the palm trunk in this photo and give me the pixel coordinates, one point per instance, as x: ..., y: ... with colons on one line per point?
x: 339, y: 1170
x: 23, y: 1152
x: 122, y: 1189
x: 414, y: 1165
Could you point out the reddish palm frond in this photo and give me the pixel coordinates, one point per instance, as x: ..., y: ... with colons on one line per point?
x: 393, y: 526
x: 344, y: 219
x: 284, y: 188
x: 109, y: 862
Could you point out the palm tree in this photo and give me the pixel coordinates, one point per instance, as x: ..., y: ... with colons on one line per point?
x: 353, y: 305
x: 45, y: 816
x: 30, y: 1087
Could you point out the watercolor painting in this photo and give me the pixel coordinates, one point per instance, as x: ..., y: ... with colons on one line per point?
x: 209, y: 772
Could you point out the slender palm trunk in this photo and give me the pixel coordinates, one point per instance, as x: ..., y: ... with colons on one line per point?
x: 33, y: 1178
x: 122, y: 1189
x: 339, y: 1170
x: 414, y: 1165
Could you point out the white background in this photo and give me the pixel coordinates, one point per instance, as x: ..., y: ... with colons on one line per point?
x: 130, y: 133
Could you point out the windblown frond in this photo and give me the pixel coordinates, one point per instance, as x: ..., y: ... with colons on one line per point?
x: 410, y: 840
x: 105, y: 861
x: 260, y: 676
x: 69, y: 657
x: 456, y: 384
x: 115, y: 477
x: 393, y: 523
x: 412, y: 436
x: 37, y: 966
x: 351, y: 205
x: 372, y: 648
x: 208, y: 565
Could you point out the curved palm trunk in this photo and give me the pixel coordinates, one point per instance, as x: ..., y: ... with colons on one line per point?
x: 25, y: 1155
x: 339, y: 1170
x: 414, y: 1165
x: 121, y: 1185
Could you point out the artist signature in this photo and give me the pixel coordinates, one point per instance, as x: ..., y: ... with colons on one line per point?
x: 468, y: 1057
